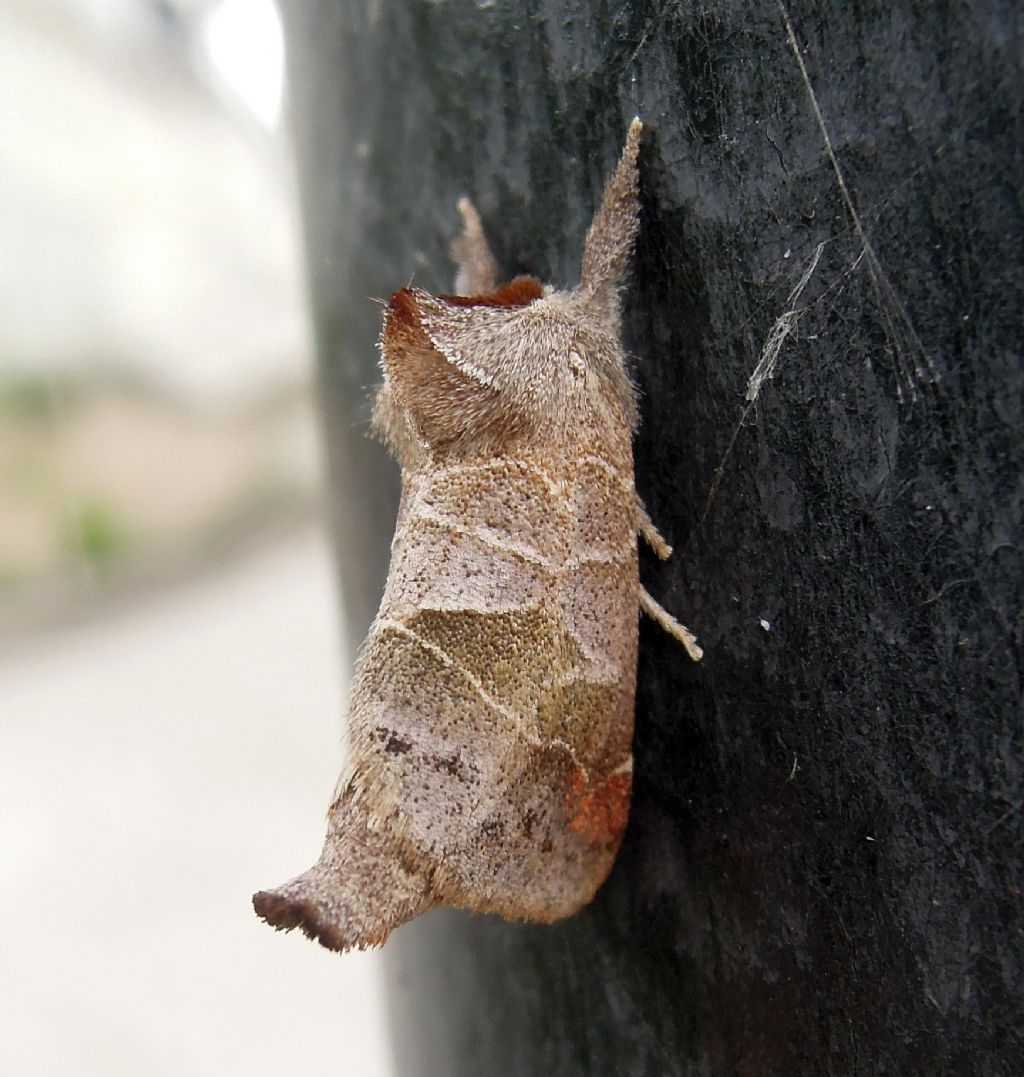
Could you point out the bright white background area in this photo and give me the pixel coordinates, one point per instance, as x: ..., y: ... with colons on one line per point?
x: 146, y: 211
x: 169, y: 737
x: 155, y: 770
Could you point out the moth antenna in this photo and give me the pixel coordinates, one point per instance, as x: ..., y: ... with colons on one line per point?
x: 611, y: 236
x: 354, y: 896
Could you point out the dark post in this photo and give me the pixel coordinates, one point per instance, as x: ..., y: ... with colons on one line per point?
x: 822, y: 872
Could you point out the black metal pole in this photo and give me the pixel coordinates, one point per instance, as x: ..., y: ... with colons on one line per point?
x: 822, y: 872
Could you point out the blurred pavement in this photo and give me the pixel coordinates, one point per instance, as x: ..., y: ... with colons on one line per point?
x: 157, y: 767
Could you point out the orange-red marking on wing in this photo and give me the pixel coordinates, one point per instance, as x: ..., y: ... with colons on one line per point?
x: 517, y: 293
x: 599, y: 814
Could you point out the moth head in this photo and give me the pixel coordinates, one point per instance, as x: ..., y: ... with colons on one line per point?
x: 481, y: 371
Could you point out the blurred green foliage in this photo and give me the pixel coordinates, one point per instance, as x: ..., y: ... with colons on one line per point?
x: 97, y: 532
x: 29, y: 397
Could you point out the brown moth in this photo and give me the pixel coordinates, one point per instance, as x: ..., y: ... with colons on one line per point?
x: 491, y: 715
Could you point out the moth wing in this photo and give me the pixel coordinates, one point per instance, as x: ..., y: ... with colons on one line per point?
x: 494, y: 701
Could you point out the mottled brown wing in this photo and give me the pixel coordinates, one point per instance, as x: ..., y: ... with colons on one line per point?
x: 492, y: 714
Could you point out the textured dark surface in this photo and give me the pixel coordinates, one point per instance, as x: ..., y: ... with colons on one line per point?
x: 823, y: 868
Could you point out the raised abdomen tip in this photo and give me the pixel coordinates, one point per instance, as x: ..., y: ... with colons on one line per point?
x: 354, y: 896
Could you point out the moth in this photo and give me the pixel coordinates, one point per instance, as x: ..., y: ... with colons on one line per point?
x: 491, y: 715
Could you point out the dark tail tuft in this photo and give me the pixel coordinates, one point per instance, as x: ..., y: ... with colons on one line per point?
x: 354, y: 896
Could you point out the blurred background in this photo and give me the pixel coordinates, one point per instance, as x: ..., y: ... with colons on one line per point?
x: 170, y: 661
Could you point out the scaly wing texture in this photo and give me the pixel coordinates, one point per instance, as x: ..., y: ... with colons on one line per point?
x: 492, y: 713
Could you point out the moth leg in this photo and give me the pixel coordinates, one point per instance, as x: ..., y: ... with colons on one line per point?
x: 477, y: 268
x: 650, y: 534
x: 665, y: 619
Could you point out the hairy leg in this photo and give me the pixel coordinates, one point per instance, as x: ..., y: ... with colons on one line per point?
x: 676, y: 630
